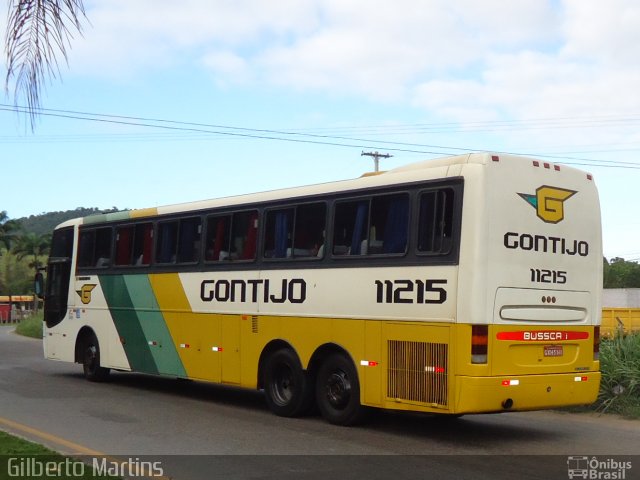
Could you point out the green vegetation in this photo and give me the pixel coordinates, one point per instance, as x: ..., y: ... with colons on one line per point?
x: 619, y: 273
x: 16, y: 453
x: 10, y: 445
x: 32, y: 326
x: 620, y: 366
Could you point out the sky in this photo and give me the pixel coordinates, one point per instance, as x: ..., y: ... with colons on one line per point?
x: 163, y: 102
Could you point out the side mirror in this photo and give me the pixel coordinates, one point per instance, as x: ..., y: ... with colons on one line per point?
x: 38, y: 286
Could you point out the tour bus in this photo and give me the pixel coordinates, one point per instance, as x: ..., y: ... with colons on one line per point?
x: 468, y: 284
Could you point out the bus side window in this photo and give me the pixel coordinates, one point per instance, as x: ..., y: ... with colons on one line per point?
x: 278, y: 233
x: 103, y: 247
x: 86, y: 246
x: 389, y: 225
x: 350, y: 227
x: 124, y: 245
x: 244, y: 235
x: 217, y: 241
x: 436, y: 222
x: 142, y: 244
x: 167, y: 242
x: 94, y: 248
x: 308, y: 237
x: 189, y: 240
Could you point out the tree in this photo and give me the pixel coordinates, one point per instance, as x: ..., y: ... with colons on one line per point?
x: 32, y: 245
x: 620, y: 273
x: 37, y: 31
x: 8, y: 228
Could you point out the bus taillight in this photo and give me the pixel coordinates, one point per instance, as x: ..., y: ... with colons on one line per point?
x: 596, y: 343
x: 479, y: 343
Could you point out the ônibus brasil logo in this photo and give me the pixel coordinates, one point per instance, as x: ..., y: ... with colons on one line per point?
x: 549, y: 202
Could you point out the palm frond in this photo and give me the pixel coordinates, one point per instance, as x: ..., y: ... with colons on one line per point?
x: 37, y: 32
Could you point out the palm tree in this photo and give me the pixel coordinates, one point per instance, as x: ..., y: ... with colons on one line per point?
x: 38, y: 30
x: 33, y: 245
x: 7, y: 230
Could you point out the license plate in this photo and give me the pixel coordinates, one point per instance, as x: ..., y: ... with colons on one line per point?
x: 553, y: 351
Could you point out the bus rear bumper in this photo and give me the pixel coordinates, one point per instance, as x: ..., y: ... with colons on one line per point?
x: 529, y: 392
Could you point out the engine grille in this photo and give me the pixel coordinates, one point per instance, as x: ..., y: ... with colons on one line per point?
x: 417, y: 372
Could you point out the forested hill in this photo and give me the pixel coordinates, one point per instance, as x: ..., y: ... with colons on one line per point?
x: 44, y: 223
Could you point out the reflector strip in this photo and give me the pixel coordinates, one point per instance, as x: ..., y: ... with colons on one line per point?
x: 367, y: 363
x: 216, y: 349
x: 510, y: 383
x: 581, y: 379
x: 434, y: 369
x: 153, y: 343
x: 184, y: 345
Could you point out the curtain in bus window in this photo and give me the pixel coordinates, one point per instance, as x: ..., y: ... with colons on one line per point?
x: 167, y: 243
x: 282, y: 233
x: 123, y: 246
x: 395, y: 234
x: 360, y: 225
x: 249, y: 250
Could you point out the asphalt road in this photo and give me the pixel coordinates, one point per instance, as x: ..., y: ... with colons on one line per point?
x: 198, y: 430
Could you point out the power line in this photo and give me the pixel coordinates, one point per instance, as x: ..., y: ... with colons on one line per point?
x: 296, y: 136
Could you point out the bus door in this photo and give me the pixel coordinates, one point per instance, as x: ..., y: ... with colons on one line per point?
x: 56, y: 291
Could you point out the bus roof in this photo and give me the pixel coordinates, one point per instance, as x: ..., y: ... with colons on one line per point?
x: 422, y: 170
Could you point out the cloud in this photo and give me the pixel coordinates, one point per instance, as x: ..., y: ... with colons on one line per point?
x: 458, y: 60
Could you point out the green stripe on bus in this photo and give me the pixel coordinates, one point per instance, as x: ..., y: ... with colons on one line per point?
x: 154, y: 326
x: 135, y: 344
x: 106, y: 217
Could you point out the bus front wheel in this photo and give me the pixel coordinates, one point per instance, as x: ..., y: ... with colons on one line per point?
x: 338, y: 391
x: 287, y: 388
x: 91, y: 361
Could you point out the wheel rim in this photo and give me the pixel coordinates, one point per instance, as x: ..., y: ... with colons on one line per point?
x: 338, y: 389
x: 282, y: 385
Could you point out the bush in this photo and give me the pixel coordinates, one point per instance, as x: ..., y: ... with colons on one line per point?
x: 620, y: 367
x: 31, y: 327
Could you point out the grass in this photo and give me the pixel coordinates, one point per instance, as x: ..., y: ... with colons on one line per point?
x: 10, y: 445
x: 17, y: 456
x: 620, y: 367
x: 31, y: 326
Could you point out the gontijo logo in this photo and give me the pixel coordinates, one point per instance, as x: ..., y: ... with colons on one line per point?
x: 549, y: 202
x: 85, y: 292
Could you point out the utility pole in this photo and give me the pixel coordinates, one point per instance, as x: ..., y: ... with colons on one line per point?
x: 376, y: 158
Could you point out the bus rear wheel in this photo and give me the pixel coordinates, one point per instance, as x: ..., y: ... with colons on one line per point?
x: 288, y: 390
x: 338, y: 391
x: 91, y: 360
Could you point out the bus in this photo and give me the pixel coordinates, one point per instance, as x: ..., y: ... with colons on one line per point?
x: 467, y: 284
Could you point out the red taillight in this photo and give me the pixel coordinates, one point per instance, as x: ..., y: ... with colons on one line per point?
x: 479, y: 343
x: 596, y: 343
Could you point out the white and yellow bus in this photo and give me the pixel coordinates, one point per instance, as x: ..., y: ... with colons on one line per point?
x: 467, y: 284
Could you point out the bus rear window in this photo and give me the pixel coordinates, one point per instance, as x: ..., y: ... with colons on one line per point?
x: 435, y: 224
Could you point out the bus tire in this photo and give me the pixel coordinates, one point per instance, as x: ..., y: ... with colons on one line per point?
x: 288, y: 390
x: 338, y: 391
x: 91, y: 360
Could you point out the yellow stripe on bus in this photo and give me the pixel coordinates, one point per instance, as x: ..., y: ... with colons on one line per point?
x: 194, y: 334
